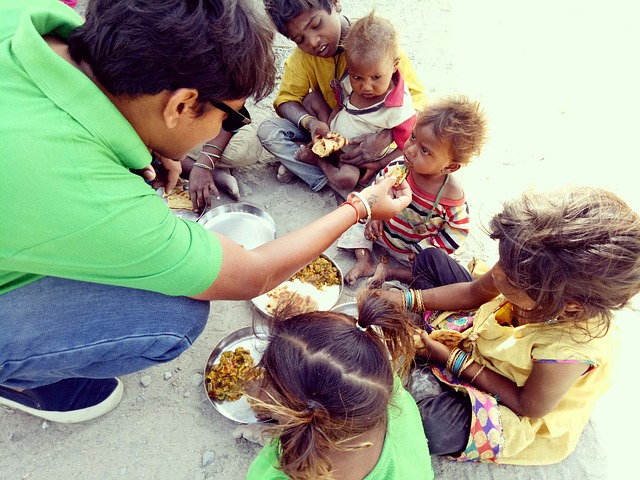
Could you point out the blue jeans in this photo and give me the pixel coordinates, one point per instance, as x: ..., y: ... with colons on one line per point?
x: 55, y: 328
x: 282, y: 138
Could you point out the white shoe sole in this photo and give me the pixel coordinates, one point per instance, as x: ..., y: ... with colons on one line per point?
x: 75, y: 416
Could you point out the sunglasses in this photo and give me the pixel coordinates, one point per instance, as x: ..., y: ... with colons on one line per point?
x: 235, y: 119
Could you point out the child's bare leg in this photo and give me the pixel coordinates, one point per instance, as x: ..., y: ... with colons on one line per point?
x: 316, y: 105
x: 345, y: 177
x: 365, y: 266
x: 384, y: 272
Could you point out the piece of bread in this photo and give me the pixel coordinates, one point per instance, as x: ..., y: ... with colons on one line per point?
x: 298, y: 303
x: 399, y: 172
x: 178, y: 199
x: 450, y: 338
x: 329, y: 144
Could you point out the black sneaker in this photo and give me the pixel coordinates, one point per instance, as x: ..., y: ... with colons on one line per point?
x: 72, y: 400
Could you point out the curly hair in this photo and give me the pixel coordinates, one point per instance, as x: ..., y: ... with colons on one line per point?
x: 372, y: 38
x: 579, y: 244
x: 222, y: 48
x: 283, y: 11
x: 458, y: 122
x: 328, y: 382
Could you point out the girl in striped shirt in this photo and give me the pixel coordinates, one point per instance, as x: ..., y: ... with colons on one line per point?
x: 445, y: 137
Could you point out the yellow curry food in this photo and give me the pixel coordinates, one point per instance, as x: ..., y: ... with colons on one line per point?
x: 319, y: 273
x: 226, y: 379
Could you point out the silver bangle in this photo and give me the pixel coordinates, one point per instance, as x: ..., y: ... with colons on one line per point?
x: 302, y: 118
x: 213, y: 146
x: 367, y: 207
x: 202, y: 165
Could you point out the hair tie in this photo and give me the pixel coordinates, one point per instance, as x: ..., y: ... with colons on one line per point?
x: 362, y: 329
x: 312, y: 405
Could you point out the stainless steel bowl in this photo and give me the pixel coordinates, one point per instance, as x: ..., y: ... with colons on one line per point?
x: 350, y: 308
x: 245, y: 224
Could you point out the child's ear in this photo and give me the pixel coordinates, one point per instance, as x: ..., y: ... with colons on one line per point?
x: 182, y: 104
x: 572, y: 307
x: 337, y: 6
x: 396, y: 62
x: 452, y: 167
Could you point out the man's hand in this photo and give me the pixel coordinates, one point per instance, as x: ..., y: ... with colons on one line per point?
x: 367, y: 147
x: 167, y: 176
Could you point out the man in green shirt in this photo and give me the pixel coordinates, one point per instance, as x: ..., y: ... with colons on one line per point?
x: 97, y: 277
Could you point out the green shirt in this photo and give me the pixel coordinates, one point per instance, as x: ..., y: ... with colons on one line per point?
x: 71, y: 207
x: 405, y: 453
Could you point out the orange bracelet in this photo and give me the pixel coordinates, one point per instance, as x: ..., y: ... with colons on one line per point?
x: 355, y: 208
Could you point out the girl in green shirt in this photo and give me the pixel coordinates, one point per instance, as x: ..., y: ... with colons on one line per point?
x: 341, y: 411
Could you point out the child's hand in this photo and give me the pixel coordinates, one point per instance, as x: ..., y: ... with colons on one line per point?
x: 318, y: 129
x: 254, y: 432
x: 373, y: 230
x: 434, y: 352
x: 367, y: 147
x: 201, y: 187
x: 370, y: 170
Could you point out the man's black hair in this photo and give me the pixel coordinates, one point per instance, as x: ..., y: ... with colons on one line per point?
x: 222, y: 48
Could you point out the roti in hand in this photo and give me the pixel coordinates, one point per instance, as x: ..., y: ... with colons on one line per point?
x: 329, y: 144
x: 450, y: 338
x: 398, y: 172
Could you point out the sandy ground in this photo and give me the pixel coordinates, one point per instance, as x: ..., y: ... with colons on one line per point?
x: 552, y: 79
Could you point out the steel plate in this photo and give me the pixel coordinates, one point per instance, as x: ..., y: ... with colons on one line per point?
x: 238, y: 411
x: 350, y: 308
x: 326, y: 300
x: 245, y: 224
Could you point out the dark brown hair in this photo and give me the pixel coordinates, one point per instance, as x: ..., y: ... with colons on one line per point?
x: 222, y: 48
x: 578, y: 244
x: 329, y: 382
x: 458, y: 122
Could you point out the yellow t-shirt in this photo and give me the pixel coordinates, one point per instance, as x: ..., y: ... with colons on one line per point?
x: 511, y: 351
x: 304, y: 73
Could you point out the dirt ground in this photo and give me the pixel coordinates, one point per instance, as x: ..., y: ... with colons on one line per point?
x: 553, y: 82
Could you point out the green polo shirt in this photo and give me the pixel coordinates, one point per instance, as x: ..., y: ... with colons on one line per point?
x: 69, y: 205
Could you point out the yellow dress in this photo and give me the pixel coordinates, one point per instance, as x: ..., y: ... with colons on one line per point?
x: 511, y: 352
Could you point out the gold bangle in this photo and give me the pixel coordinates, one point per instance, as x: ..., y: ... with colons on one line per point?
x: 476, y: 375
x: 467, y: 363
x: 306, y: 120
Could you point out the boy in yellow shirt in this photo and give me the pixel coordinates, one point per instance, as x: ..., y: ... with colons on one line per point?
x: 318, y: 32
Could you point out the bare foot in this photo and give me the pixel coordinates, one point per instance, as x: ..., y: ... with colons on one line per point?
x: 228, y: 182
x: 364, y: 267
x: 379, y: 276
x: 306, y: 155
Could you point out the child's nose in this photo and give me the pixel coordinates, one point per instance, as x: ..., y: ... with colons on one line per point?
x: 314, y: 41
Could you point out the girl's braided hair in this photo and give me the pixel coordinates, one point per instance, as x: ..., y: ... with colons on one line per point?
x: 328, y: 382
